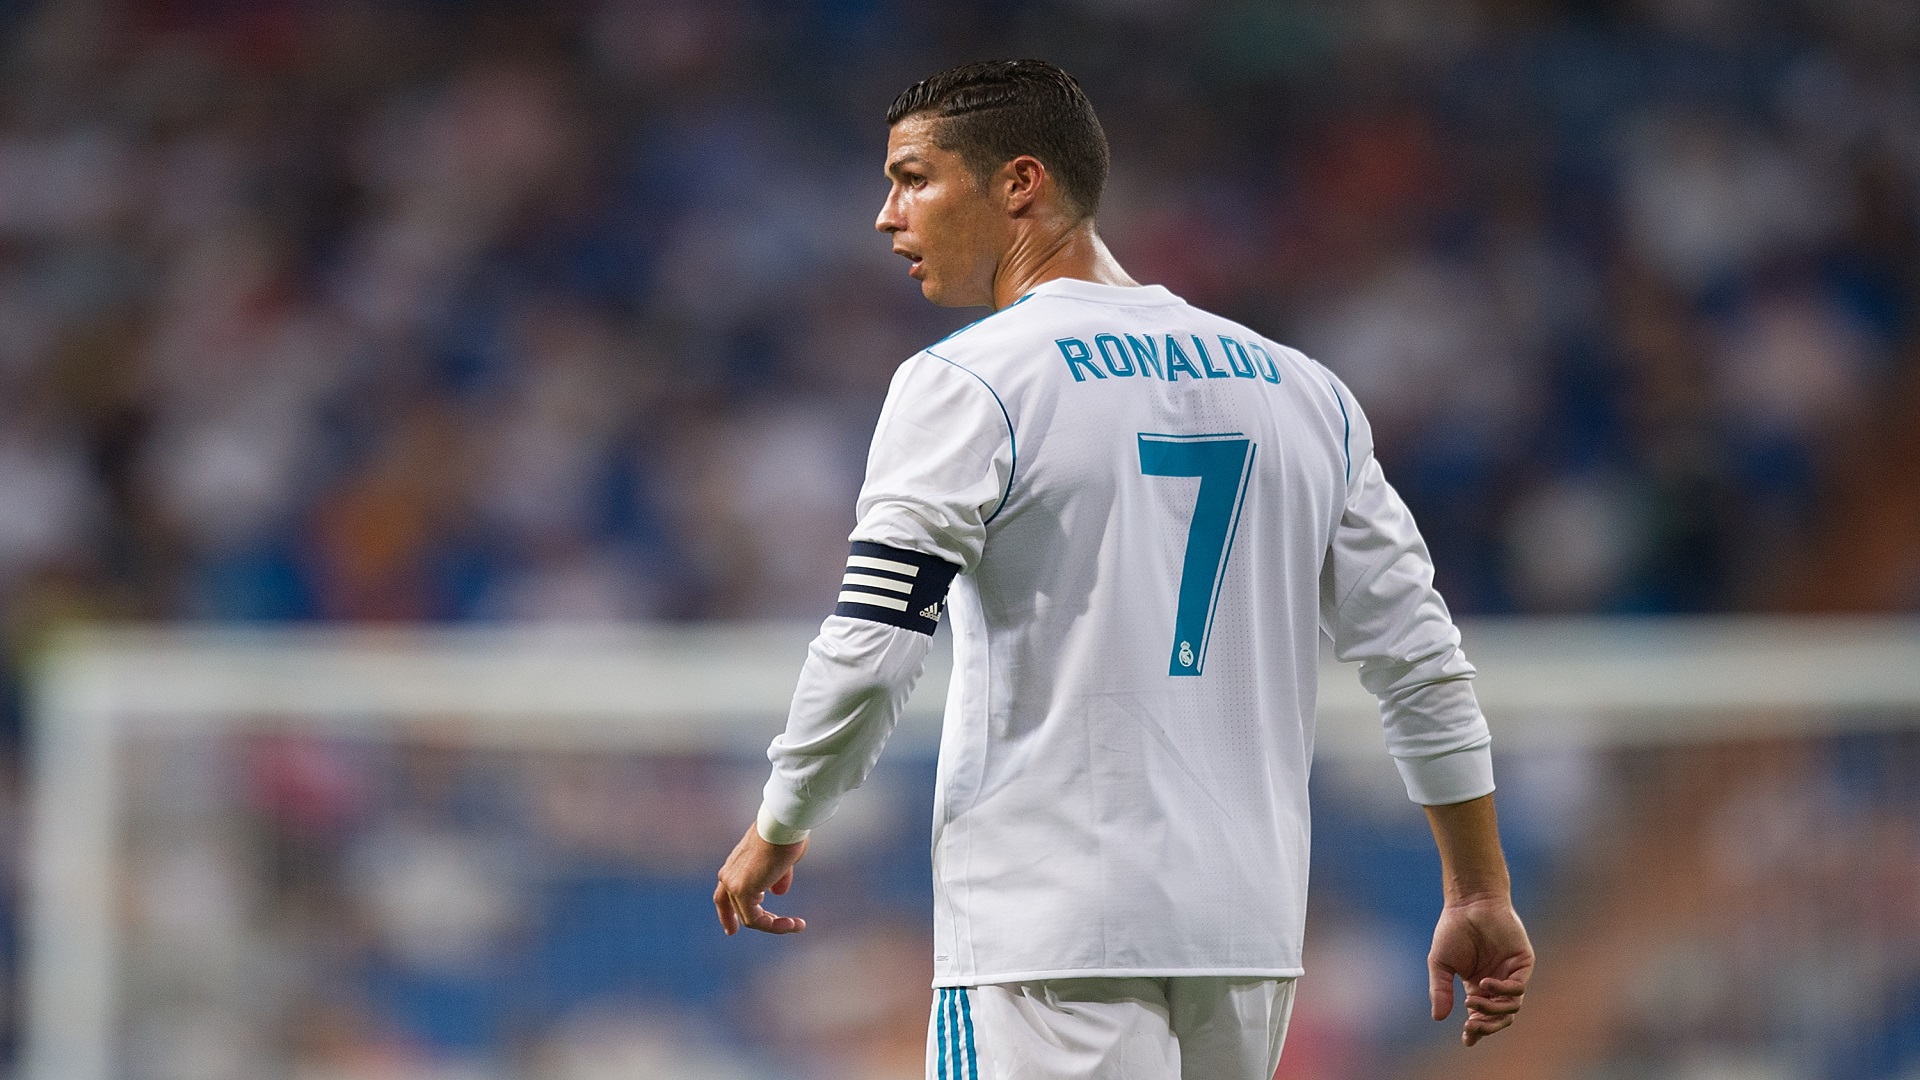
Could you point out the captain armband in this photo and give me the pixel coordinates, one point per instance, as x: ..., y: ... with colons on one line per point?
x: 899, y: 588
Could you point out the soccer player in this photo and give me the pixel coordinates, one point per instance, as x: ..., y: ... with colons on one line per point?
x: 1141, y: 516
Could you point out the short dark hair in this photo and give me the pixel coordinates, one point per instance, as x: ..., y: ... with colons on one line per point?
x: 996, y: 110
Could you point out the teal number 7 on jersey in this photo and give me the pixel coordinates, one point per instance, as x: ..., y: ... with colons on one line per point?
x: 1222, y: 462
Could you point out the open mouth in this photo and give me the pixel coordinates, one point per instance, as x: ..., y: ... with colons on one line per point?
x: 913, y: 259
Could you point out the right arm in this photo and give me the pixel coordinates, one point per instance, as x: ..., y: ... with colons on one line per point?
x: 939, y: 467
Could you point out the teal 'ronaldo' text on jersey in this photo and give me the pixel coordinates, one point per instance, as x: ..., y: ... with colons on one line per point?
x: 1147, y: 515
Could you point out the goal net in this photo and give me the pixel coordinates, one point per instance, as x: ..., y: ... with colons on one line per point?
x: 476, y: 853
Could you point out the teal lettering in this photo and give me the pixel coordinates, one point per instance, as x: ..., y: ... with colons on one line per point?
x: 1237, y: 358
x: 1124, y: 367
x: 1272, y: 372
x: 1206, y: 361
x: 1148, y: 353
x: 1177, y: 361
x: 1078, y: 356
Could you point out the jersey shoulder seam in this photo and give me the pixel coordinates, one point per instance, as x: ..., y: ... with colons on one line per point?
x: 1013, y: 442
x: 980, y: 320
x: 1346, y: 422
x: 1333, y: 387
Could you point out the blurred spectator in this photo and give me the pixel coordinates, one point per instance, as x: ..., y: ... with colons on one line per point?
x: 428, y: 312
x: 573, y: 312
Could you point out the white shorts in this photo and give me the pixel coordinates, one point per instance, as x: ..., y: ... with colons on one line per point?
x: 1187, y: 1028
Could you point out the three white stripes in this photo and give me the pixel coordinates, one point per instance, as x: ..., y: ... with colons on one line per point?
x: 868, y: 562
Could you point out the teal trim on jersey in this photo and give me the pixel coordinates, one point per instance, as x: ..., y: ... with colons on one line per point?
x: 1224, y: 463
x: 1346, y: 437
x: 1013, y: 443
x: 966, y: 1014
x: 982, y: 319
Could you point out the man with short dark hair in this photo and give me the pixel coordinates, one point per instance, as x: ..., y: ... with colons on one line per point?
x: 1146, y: 515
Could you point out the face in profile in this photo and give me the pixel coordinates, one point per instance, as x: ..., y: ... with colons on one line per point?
x: 940, y: 217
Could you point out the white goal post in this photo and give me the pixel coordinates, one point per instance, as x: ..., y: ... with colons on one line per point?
x: 1593, y: 682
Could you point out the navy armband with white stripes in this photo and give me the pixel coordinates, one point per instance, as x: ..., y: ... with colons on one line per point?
x: 899, y: 588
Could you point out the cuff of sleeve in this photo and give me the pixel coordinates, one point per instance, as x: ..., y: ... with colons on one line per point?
x: 773, y: 832
x: 1452, y: 777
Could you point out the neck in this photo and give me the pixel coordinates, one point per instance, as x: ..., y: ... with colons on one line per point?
x: 1036, y: 258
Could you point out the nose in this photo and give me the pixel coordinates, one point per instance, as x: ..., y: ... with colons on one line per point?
x: 891, y: 220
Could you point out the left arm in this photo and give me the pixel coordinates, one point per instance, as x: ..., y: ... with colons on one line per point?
x: 1479, y: 938
x: 1379, y: 605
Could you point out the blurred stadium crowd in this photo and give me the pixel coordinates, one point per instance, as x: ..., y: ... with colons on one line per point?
x: 431, y: 310
x: 572, y: 311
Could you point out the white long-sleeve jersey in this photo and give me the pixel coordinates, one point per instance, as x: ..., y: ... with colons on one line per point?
x: 1148, y: 515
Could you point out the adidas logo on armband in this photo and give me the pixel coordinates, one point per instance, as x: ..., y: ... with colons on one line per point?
x: 900, y: 588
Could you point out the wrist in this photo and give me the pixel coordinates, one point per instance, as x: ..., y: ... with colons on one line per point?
x: 1478, y: 895
x: 774, y: 831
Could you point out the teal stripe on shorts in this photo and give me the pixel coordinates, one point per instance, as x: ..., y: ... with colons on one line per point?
x: 966, y: 1012
x: 941, y: 1023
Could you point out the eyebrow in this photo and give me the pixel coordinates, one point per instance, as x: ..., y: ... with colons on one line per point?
x: 909, y: 159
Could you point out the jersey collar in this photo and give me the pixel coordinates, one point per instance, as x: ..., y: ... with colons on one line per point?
x: 1126, y: 295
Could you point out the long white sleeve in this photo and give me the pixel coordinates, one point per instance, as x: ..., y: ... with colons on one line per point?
x: 941, y: 459
x: 856, y: 679
x: 1379, y: 605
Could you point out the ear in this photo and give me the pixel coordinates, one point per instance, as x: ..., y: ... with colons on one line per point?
x: 1021, y: 182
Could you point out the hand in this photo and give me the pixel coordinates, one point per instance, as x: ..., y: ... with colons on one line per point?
x: 1483, y: 942
x: 756, y: 868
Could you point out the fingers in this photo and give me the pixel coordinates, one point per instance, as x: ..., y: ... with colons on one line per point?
x: 1500, y: 996
x: 723, y: 904
x: 736, y: 911
x: 767, y: 922
x: 754, y: 868
x: 1491, y: 1006
x: 1439, y: 989
x: 755, y: 917
x: 1479, y: 1027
